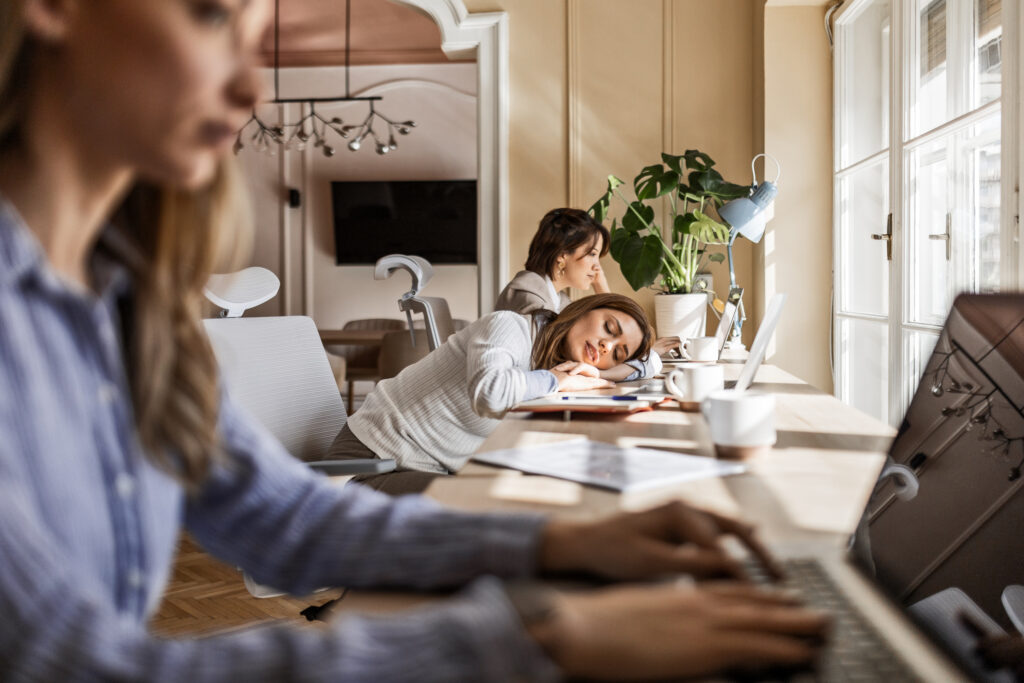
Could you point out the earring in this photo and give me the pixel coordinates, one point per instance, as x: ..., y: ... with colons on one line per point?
x: 561, y: 269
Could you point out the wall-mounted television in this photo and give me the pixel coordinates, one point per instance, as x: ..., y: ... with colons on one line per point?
x: 435, y: 219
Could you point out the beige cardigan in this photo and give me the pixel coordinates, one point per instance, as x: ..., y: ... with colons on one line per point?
x: 529, y: 292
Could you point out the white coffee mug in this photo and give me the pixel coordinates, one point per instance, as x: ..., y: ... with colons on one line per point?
x: 692, y: 384
x: 703, y: 349
x: 742, y: 423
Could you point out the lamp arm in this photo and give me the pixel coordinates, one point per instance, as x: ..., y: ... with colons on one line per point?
x: 728, y: 251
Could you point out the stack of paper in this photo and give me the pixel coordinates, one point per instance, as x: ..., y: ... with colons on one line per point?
x: 609, y: 466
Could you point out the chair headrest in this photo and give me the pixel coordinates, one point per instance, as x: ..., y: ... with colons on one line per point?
x: 419, y: 269
x: 236, y: 292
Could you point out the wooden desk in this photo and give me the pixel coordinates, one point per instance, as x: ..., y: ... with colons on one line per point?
x: 811, y: 487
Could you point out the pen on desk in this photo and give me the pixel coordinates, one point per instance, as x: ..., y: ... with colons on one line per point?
x: 614, y: 398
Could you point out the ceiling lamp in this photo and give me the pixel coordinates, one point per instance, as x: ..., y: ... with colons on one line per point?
x: 312, y: 128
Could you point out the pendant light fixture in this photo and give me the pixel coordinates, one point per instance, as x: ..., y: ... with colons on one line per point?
x: 312, y: 128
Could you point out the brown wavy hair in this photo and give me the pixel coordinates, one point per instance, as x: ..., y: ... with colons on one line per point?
x: 549, y: 346
x: 174, y: 240
x: 561, y: 231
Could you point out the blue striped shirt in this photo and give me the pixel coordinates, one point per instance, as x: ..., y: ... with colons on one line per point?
x: 88, y: 526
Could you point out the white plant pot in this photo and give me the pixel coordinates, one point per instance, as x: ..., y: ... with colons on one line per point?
x: 680, y: 315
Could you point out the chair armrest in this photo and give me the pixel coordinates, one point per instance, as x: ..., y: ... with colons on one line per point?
x: 352, y: 466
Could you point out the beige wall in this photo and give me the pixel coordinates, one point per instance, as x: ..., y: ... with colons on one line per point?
x: 603, y: 86
x: 797, y: 249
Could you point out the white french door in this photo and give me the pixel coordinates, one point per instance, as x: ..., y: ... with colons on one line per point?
x: 926, y: 125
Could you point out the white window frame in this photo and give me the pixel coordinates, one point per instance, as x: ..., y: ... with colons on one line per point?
x: 1011, y: 105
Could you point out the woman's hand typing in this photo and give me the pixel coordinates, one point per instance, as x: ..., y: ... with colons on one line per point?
x: 663, y: 541
x: 667, y: 631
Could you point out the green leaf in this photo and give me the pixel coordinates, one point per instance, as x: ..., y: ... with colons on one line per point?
x: 708, y: 230
x: 716, y: 257
x: 724, y: 191
x: 640, y: 259
x: 599, y: 209
x: 654, y: 181
x: 638, y: 217
x: 618, y: 238
x: 697, y: 160
x: 682, y: 226
x: 673, y: 162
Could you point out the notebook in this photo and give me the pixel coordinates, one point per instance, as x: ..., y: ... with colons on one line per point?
x: 561, y: 402
x: 940, y: 535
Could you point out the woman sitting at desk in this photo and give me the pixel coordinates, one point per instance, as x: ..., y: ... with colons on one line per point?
x: 566, y: 252
x: 436, y: 412
x: 116, y: 203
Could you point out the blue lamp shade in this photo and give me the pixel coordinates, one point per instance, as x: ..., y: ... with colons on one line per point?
x: 749, y: 215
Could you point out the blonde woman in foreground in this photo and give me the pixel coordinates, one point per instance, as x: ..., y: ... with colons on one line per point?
x: 116, y: 202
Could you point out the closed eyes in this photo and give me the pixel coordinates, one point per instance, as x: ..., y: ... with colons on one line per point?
x: 613, y: 328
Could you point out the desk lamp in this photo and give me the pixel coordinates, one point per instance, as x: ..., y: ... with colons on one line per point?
x: 747, y: 217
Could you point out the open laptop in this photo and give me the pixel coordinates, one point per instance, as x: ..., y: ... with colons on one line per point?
x: 656, y: 387
x: 760, y: 346
x: 940, y: 535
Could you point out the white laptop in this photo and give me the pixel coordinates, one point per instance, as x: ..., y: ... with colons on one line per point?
x: 655, y: 387
x: 939, y: 541
x: 760, y: 346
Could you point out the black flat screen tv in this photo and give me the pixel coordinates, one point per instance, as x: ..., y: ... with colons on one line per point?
x: 435, y: 219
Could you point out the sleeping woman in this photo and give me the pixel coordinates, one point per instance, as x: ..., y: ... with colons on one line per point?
x: 435, y: 413
x: 566, y: 252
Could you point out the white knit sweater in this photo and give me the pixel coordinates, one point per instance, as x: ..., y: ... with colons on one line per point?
x: 435, y: 413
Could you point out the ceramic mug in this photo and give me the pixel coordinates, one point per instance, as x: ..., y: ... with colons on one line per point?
x: 703, y: 349
x: 692, y: 384
x: 742, y: 423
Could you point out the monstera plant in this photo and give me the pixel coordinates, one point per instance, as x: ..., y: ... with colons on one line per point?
x: 639, y: 244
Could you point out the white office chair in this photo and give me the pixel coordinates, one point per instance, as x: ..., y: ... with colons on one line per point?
x: 400, y: 349
x: 277, y: 370
x: 242, y: 290
x: 437, y: 318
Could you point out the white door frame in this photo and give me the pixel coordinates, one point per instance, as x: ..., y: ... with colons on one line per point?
x: 484, y: 35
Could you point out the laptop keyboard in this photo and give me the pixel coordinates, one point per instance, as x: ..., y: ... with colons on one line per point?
x: 855, y: 651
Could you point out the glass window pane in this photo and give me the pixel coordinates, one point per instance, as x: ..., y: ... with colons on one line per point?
x: 988, y: 50
x: 863, y: 267
x: 954, y: 60
x: 864, y: 366
x: 976, y: 214
x: 864, y: 119
x: 927, y: 66
x: 928, y: 204
x: 953, y: 195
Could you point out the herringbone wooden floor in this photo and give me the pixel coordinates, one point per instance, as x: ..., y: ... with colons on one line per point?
x: 206, y: 596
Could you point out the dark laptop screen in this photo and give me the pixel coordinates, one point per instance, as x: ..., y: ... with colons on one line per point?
x: 943, y: 533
